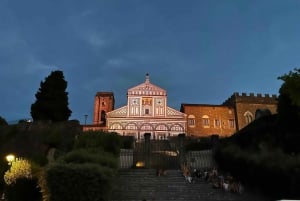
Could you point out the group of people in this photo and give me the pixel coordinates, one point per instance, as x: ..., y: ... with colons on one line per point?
x: 225, y: 182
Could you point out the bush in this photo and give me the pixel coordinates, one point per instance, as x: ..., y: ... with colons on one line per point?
x: 80, y: 182
x: 269, y: 170
x: 91, y: 155
x: 110, y: 142
x: 23, y: 190
x: 201, y: 144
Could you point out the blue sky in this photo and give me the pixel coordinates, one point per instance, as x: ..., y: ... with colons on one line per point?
x: 199, y: 51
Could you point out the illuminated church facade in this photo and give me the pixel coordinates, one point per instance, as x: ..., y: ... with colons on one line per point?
x: 146, y: 112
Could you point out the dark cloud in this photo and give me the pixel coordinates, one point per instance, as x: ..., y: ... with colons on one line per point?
x: 199, y: 51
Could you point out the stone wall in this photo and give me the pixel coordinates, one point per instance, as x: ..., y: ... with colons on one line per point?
x: 242, y: 109
x: 246, y: 105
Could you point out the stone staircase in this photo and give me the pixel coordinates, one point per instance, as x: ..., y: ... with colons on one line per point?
x: 143, y: 184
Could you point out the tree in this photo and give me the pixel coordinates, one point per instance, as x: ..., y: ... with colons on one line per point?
x: 52, y: 99
x: 3, y: 122
x: 289, y: 97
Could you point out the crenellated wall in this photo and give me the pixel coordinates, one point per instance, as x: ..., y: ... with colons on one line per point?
x: 246, y: 105
x: 251, y: 98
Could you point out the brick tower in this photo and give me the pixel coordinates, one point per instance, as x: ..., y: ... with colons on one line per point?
x: 104, y: 102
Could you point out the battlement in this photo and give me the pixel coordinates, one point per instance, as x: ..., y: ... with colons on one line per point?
x: 102, y: 94
x: 251, y: 98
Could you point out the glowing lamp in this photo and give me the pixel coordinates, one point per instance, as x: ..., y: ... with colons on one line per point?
x: 140, y: 164
x: 10, y: 158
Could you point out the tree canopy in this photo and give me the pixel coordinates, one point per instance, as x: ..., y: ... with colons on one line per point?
x: 289, y: 96
x: 52, y: 99
x: 3, y: 121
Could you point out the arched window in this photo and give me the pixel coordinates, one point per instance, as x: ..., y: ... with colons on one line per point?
x: 205, y: 121
x: 176, y: 127
x: 103, y: 117
x: 248, y: 117
x: 116, y: 126
x: 131, y: 126
x: 217, y: 123
x: 191, y: 121
x: 262, y: 112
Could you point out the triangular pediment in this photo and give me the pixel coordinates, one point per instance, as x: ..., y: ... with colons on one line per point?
x: 120, y: 112
x: 147, y: 88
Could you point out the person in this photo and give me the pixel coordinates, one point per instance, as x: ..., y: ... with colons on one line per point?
x: 161, y: 172
x: 189, y: 177
x: 186, y: 172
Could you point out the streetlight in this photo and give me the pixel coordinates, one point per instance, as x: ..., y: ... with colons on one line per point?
x: 85, y: 117
x: 10, y: 158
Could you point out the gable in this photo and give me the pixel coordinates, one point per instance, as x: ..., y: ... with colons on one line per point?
x: 146, y: 89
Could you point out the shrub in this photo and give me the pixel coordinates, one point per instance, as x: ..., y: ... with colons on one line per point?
x: 80, y: 182
x: 19, y: 169
x: 201, y: 144
x: 91, y: 155
x: 259, y: 168
x: 21, y: 185
x: 24, y: 189
x: 110, y: 142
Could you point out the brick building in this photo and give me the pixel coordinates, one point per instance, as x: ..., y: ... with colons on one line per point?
x: 225, y: 119
x: 206, y: 120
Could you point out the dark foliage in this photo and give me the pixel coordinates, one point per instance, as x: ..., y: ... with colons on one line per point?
x: 51, y: 99
x: 23, y: 190
x: 38, y: 138
x: 200, y: 144
x: 264, y: 156
x: 91, y: 155
x: 3, y: 122
x: 110, y: 142
x: 81, y: 182
x: 289, y: 100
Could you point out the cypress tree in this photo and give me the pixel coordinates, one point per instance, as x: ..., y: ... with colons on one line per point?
x: 52, y: 99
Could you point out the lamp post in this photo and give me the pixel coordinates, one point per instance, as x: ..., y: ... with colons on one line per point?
x: 85, y: 117
x: 10, y: 158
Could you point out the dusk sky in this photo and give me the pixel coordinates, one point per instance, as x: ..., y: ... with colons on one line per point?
x: 199, y: 51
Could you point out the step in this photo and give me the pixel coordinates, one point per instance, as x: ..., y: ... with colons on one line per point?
x: 139, y: 184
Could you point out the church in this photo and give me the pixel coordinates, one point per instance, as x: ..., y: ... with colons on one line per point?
x: 147, y: 112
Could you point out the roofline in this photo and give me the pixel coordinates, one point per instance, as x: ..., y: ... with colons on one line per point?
x: 207, y: 105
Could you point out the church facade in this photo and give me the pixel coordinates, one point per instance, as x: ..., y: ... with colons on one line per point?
x: 146, y: 112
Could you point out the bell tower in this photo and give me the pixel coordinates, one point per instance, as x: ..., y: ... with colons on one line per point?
x: 104, y: 102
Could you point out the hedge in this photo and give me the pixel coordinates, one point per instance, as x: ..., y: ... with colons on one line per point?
x: 78, y: 182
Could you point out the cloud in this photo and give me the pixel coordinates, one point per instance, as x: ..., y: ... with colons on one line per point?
x: 95, y: 40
